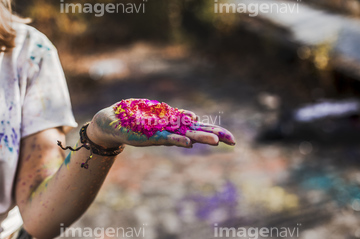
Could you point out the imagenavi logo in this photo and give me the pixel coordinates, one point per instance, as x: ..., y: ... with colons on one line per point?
x: 256, y: 232
x: 254, y: 8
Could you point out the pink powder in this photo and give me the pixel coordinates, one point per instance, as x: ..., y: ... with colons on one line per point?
x: 149, y: 116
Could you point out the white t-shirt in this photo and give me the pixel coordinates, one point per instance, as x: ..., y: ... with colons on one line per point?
x: 33, y: 97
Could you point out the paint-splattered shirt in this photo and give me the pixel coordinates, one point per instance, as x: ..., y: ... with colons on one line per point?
x: 33, y: 97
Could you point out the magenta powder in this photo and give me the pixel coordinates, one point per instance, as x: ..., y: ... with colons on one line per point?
x: 149, y: 116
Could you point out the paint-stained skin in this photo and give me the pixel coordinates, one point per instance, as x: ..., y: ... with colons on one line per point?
x: 41, y: 188
x: 36, y: 182
x: 50, y: 168
x: 67, y: 159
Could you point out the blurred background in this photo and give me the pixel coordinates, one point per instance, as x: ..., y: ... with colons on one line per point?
x: 287, y: 86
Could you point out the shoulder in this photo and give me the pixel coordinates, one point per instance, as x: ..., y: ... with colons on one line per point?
x: 32, y: 49
x: 30, y: 44
x: 28, y: 34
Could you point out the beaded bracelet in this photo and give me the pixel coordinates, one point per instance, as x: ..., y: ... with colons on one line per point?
x: 94, y: 148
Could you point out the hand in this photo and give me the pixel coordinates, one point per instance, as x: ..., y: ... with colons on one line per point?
x: 102, y: 132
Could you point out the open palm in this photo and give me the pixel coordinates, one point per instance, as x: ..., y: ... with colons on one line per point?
x: 103, y: 124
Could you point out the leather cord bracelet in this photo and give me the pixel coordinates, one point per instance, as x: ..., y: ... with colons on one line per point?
x: 94, y: 148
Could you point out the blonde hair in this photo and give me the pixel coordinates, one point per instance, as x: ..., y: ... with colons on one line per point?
x: 7, y: 33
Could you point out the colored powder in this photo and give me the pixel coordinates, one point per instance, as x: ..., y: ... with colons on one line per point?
x: 149, y: 116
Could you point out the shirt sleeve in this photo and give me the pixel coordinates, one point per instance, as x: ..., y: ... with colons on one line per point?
x: 46, y: 102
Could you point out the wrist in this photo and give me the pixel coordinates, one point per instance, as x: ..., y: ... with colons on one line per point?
x: 97, y: 136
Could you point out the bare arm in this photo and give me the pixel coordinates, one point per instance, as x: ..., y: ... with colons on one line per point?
x: 52, y: 189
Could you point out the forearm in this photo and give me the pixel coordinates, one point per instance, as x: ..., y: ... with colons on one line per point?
x: 65, y: 196
x: 52, y: 189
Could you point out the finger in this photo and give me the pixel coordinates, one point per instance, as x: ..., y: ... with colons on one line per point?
x: 209, y: 125
x: 203, y: 137
x: 168, y: 139
x: 223, y: 134
x: 179, y: 140
x: 191, y: 114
